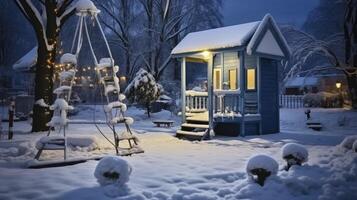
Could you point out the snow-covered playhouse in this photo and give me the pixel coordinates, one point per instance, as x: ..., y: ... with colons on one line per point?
x: 242, y: 80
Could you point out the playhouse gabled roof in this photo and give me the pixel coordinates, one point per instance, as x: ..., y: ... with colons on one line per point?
x: 261, y: 37
x: 27, y: 62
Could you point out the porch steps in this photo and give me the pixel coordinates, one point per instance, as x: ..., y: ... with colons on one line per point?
x: 195, y: 127
x: 190, y: 135
x: 204, y: 126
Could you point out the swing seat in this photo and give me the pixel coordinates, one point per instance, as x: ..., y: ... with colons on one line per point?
x: 130, y: 151
x: 51, y: 143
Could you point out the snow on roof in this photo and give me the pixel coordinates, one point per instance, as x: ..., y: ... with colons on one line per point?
x: 225, y: 37
x: 263, y: 37
x: 27, y: 62
x: 302, y: 81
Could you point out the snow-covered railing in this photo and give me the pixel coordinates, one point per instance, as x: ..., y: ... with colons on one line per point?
x: 196, y: 101
x: 226, y: 101
x: 291, y: 101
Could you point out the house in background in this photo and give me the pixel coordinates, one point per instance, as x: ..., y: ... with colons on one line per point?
x: 242, y: 80
x: 315, y: 84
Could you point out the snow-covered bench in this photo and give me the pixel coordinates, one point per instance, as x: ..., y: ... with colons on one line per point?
x: 167, y: 123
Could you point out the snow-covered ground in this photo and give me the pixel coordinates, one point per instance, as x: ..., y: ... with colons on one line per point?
x: 177, y: 169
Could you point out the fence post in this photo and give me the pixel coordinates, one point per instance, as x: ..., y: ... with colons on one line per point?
x: 11, y: 118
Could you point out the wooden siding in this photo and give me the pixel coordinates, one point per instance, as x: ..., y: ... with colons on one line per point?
x: 269, y: 96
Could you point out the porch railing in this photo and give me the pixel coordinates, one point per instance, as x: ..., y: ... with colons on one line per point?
x: 196, y: 101
x: 225, y: 102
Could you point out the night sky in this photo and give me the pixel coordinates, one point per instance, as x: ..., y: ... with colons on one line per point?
x: 293, y: 12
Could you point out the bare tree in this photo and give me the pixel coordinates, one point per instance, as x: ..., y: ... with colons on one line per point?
x: 350, y: 33
x: 46, y: 18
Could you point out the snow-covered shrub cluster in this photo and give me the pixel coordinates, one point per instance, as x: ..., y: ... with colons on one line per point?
x: 112, y: 170
x: 260, y: 167
x: 143, y: 89
x: 322, y: 99
x: 294, y: 154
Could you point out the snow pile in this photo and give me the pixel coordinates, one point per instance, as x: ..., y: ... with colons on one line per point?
x: 112, y: 172
x: 86, y: 5
x: 68, y: 58
x: 354, y: 147
x: 61, y: 104
x: 294, y: 154
x: 67, y: 75
x: 261, y: 166
x: 347, y: 143
x: 115, y: 104
x: 41, y: 102
x: 61, y: 90
x: 83, y: 143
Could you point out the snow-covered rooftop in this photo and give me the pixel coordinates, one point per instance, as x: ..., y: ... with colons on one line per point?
x: 302, y: 81
x: 225, y: 37
x: 262, y: 37
x: 27, y: 62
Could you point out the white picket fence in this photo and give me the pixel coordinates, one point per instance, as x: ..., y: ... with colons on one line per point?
x: 291, y: 101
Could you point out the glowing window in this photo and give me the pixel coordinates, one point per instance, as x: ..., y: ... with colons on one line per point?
x: 232, y: 78
x: 217, y: 79
x: 251, y: 79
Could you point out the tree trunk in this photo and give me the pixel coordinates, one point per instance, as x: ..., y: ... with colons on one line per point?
x: 43, y: 87
x: 148, y: 110
x: 352, y: 86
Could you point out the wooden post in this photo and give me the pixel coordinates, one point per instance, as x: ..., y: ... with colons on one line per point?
x: 210, y: 93
x: 11, y: 118
x: 183, y: 88
x: 242, y: 89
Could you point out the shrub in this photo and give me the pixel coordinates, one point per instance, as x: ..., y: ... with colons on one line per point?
x: 294, y: 154
x: 112, y: 170
x: 260, y: 167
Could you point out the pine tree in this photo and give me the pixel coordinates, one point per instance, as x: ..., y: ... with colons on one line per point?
x: 143, y: 90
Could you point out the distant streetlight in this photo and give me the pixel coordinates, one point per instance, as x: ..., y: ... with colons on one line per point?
x: 338, y: 85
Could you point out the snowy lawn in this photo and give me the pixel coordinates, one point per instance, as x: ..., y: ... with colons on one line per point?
x: 178, y: 169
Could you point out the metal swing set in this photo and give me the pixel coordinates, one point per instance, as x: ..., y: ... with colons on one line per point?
x: 107, y: 80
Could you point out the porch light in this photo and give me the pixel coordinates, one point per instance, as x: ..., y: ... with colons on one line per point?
x: 338, y: 85
x: 206, y: 54
x: 123, y: 78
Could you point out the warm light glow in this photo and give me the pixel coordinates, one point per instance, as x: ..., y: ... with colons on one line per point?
x: 123, y: 78
x: 251, y: 79
x: 206, y: 54
x: 338, y: 85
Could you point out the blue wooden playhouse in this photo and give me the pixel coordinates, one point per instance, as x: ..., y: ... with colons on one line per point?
x: 241, y: 95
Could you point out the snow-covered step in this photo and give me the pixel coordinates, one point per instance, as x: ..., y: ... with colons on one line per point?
x: 205, y: 126
x: 190, y: 135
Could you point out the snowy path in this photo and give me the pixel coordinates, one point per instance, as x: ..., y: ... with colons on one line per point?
x: 177, y: 169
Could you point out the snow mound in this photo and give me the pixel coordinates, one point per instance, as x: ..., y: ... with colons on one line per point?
x: 112, y: 170
x: 67, y: 75
x: 296, y: 150
x: 61, y: 104
x: 61, y: 89
x: 86, y: 5
x: 262, y: 161
x: 348, y: 141
x: 86, y: 144
x: 41, y: 102
x: 68, y: 58
x: 354, y: 146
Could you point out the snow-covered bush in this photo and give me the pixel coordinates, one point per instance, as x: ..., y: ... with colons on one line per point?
x: 348, y: 141
x: 143, y: 89
x: 322, y: 99
x: 260, y: 167
x: 354, y: 146
x: 294, y: 154
x: 112, y: 170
